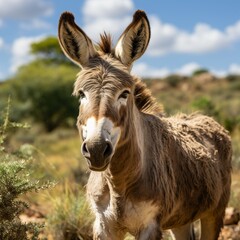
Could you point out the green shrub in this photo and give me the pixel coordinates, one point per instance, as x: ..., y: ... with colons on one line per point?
x: 206, y: 105
x: 15, y: 180
x: 43, y: 93
x: 236, y: 148
x: 199, y: 71
x: 235, y: 84
x: 173, y: 80
x: 231, y: 123
x: 233, y: 78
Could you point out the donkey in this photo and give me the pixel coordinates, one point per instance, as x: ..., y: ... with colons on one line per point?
x: 148, y: 172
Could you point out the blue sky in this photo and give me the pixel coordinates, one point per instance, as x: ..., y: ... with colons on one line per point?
x: 186, y: 35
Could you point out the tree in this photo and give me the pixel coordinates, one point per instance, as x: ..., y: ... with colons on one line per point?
x: 49, y: 50
x: 42, y: 89
x: 48, y: 91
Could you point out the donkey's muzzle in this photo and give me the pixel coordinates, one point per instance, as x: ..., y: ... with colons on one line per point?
x: 97, y: 154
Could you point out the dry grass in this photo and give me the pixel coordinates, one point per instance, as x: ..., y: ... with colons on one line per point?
x: 64, y: 157
x: 70, y: 217
x: 60, y: 156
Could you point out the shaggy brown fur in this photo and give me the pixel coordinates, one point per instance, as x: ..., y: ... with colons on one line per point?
x: 164, y: 172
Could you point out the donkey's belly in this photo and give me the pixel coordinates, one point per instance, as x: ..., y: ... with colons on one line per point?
x: 181, y: 216
x: 177, y: 220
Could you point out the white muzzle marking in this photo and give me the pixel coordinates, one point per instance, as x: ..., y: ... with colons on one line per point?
x: 102, y: 127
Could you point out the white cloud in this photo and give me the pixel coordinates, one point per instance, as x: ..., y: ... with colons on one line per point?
x: 233, y: 32
x: 167, y: 38
x: 1, y: 42
x: 97, y: 9
x: 162, y: 37
x: 144, y: 70
x: 35, y: 24
x: 188, y: 69
x: 93, y: 29
x: 203, y: 39
x: 24, y: 9
x: 1, y: 75
x: 111, y: 16
x: 234, y: 69
x: 21, y: 51
x: 114, y: 15
x: 219, y: 73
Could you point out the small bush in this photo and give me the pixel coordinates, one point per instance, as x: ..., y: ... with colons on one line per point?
x: 173, y: 80
x: 70, y: 218
x: 15, y: 180
x: 233, y: 78
x: 231, y: 123
x: 199, y: 71
x: 206, y: 105
x: 236, y: 149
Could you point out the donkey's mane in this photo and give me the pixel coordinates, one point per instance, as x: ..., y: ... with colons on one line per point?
x: 105, y: 44
x: 144, y: 100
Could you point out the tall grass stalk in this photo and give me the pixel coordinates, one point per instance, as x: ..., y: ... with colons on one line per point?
x: 70, y: 217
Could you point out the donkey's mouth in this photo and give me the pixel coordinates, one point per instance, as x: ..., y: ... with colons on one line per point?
x: 97, y: 152
x: 98, y: 168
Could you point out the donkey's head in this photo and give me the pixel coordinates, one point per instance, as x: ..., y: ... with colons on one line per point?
x: 104, y: 85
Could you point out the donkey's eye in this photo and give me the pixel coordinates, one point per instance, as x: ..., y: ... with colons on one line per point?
x: 124, y: 94
x: 81, y: 95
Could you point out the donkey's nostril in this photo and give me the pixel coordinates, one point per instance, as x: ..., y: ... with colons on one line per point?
x: 85, y: 150
x: 97, y: 152
x: 108, y: 149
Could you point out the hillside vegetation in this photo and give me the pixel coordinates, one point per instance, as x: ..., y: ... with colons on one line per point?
x: 41, y: 95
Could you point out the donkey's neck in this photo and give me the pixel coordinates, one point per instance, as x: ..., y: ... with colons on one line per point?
x: 126, y: 165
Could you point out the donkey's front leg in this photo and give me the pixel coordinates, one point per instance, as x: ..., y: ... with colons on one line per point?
x: 150, y: 232
x: 105, y: 230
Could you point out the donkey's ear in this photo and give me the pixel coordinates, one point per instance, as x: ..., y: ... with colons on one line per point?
x: 134, y: 40
x: 76, y: 45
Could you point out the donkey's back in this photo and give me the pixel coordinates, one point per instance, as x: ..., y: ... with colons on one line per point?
x: 201, y: 158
